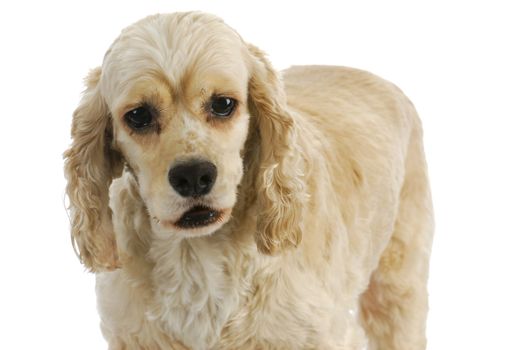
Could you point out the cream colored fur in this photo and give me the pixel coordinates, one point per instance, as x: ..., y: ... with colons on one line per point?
x: 327, y: 230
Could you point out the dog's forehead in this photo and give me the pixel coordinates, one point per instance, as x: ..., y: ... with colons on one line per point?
x: 175, y: 46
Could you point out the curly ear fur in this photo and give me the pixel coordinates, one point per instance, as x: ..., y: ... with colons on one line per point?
x: 280, y: 185
x: 90, y: 165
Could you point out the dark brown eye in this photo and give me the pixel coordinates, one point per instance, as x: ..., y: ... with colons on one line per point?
x: 139, y: 118
x: 222, y: 106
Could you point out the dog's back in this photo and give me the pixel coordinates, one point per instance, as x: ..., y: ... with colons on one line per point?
x: 371, y: 137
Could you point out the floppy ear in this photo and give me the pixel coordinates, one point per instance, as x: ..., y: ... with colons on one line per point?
x: 90, y: 164
x: 279, y: 183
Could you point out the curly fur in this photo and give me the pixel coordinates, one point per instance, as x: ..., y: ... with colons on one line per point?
x: 280, y: 184
x: 89, y: 167
x: 327, y: 218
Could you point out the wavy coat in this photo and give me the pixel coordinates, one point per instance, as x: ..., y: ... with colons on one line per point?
x: 327, y: 218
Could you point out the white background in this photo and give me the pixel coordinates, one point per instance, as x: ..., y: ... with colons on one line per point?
x: 459, y: 61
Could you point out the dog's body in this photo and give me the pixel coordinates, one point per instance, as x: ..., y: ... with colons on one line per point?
x: 354, y: 273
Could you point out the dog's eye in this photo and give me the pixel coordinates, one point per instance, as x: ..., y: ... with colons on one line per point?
x: 139, y: 118
x: 222, y: 106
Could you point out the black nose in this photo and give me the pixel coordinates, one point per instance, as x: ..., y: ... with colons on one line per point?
x: 193, y: 178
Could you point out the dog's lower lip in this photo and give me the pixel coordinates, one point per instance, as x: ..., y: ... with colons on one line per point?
x: 198, y: 216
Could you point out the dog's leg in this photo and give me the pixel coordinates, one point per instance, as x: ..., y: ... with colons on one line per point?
x: 394, y: 307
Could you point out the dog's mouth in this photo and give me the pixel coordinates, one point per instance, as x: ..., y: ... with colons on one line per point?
x: 199, y: 216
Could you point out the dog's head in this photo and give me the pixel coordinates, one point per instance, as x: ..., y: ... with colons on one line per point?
x: 174, y: 100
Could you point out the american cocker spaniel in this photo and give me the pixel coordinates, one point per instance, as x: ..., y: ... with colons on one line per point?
x: 225, y: 206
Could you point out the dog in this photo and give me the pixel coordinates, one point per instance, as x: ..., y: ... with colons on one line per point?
x: 223, y: 205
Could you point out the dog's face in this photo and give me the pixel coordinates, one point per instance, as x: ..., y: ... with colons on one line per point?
x: 174, y: 100
x: 180, y: 119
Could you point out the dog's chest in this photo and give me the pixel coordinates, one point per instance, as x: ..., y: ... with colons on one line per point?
x: 195, y: 293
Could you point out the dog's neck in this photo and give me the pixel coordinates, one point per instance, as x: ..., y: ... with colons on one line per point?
x: 194, y: 292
